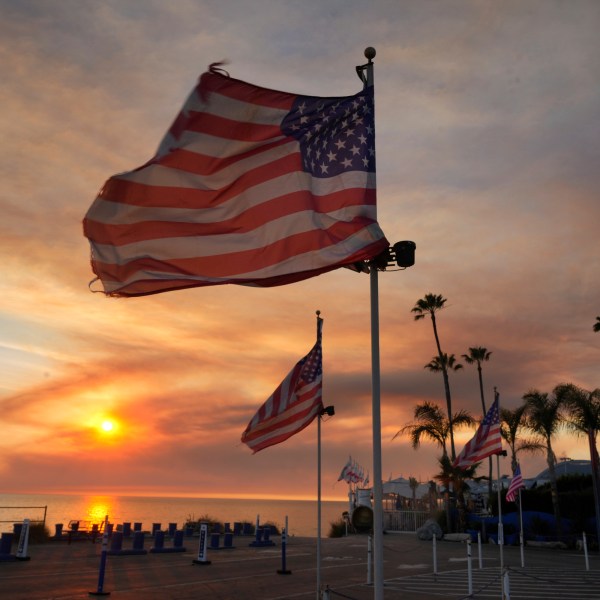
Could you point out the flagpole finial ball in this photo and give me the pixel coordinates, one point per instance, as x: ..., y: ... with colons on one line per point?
x: 318, y: 313
x: 370, y: 53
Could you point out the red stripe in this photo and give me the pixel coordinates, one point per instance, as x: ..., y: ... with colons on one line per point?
x: 240, y: 90
x: 249, y: 220
x: 205, y: 164
x: 229, y: 129
x: 233, y: 264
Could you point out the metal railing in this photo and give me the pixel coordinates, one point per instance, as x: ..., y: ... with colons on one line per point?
x: 404, y: 520
x: 21, y: 517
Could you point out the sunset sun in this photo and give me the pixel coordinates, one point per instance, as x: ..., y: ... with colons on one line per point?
x: 107, y: 426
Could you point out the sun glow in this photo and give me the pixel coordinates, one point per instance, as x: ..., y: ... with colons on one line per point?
x: 107, y: 426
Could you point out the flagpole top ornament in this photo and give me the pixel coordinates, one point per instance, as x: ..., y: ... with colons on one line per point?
x: 370, y: 53
x: 318, y: 313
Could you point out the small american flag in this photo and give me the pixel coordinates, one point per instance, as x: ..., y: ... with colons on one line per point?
x: 249, y: 186
x: 485, y: 442
x: 293, y: 405
x: 515, y: 485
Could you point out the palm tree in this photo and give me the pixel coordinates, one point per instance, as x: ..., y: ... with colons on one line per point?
x: 430, y: 304
x: 512, y: 423
x: 597, y: 324
x: 431, y: 424
x: 413, y: 483
x: 544, y: 418
x: 477, y: 355
x: 583, y: 416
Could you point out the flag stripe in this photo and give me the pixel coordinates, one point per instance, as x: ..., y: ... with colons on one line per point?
x: 237, y: 194
x: 515, y: 485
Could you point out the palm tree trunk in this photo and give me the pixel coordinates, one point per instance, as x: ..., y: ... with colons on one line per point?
x: 446, y: 388
x: 554, y: 489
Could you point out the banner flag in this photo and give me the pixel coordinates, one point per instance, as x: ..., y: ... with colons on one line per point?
x: 293, y: 405
x: 485, y: 442
x: 249, y: 186
x: 515, y: 485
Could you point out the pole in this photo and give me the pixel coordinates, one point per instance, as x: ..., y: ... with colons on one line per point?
x: 376, y: 403
x: 479, y: 550
x: 318, y: 506
x: 469, y: 568
x: 521, y: 534
x: 434, y: 539
x: 500, y: 526
x: 100, y: 588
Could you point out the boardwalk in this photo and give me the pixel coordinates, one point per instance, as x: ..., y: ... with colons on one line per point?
x: 58, y: 571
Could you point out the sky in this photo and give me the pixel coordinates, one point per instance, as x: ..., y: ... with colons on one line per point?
x: 488, y: 146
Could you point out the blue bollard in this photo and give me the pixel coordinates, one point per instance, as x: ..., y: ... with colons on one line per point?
x: 137, y: 527
x: 58, y: 530
x: 214, y: 541
x: 178, y: 541
x: 155, y: 528
x: 126, y: 530
x: 283, y: 570
x: 237, y: 528
x: 228, y: 542
x: 172, y: 529
x: 116, y: 543
x: 5, y: 545
x: 159, y: 541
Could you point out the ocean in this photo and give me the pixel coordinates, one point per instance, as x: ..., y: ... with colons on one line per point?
x: 62, y: 508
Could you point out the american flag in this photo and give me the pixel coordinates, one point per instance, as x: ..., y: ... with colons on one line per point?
x: 249, y: 186
x: 485, y: 442
x: 515, y: 485
x: 293, y: 405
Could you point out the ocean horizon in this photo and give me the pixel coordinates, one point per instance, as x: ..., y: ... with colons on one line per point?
x: 62, y: 508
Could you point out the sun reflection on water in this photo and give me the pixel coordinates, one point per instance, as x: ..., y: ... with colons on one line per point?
x: 98, y: 507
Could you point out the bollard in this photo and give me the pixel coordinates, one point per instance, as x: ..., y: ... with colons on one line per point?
x: 228, y: 541
x: 237, y: 528
x: 155, y: 528
x: 23, y: 541
x: 58, y: 529
x: 137, y: 527
x: 201, y: 560
x: 6, y: 540
x: 172, y: 529
x: 369, y: 560
x: 100, y: 589
x: 585, y: 552
x: 138, y: 543
x: 159, y: 542
x: 227, y: 527
x: 214, y: 541
x: 283, y: 570
x: 126, y: 530
x: 469, y: 568
x: 116, y: 543
x: 505, y: 586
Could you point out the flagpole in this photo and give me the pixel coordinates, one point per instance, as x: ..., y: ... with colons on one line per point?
x: 521, y: 535
x: 318, y: 506
x: 376, y: 401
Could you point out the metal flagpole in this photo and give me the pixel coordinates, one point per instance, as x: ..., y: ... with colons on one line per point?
x: 318, y: 507
x: 376, y: 402
x: 521, y: 535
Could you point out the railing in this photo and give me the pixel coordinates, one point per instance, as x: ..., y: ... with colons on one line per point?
x: 20, y: 518
x: 404, y: 520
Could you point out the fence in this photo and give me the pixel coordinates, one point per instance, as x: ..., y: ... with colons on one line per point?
x: 19, y: 514
x: 404, y: 520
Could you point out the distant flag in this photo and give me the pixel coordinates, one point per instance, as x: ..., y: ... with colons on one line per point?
x: 485, y: 442
x: 515, y: 485
x: 293, y: 405
x: 366, y: 481
x: 249, y: 186
x: 344, y: 473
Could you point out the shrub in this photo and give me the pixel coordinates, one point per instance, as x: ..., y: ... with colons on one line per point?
x: 337, y: 528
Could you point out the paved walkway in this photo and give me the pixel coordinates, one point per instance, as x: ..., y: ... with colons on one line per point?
x: 59, y: 571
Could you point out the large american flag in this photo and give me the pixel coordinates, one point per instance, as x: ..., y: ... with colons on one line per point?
x: 293, y: 405
x: 249, y: 186
x: 515, y: 485
x: 485, y: 442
